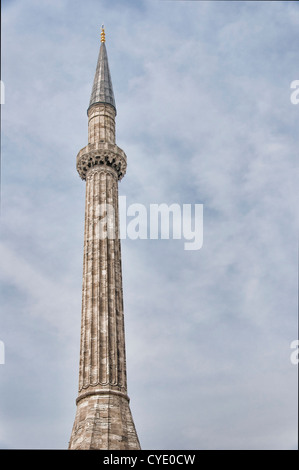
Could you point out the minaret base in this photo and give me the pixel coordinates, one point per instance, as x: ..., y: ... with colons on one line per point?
x: 104, y: 422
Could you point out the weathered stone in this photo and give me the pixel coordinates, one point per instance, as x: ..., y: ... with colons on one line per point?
x: 103, y: 417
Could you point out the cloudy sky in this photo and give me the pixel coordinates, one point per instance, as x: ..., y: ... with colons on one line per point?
x: 204, y: 115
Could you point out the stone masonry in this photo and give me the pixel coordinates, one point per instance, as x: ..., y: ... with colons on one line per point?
x: 103, y: 417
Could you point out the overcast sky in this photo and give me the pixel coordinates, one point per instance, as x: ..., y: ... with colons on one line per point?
x: 204, y: 115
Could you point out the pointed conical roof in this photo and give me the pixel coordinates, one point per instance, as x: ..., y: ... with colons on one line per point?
x: 102, y: 90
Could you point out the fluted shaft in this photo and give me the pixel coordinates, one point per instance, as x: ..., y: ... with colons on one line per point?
x: 102, y: 360
x: 103, y: 418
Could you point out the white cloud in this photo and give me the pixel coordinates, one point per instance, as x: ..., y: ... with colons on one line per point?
x: 46, y: 298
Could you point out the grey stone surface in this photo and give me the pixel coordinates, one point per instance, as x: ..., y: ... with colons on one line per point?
x: 103, y: 418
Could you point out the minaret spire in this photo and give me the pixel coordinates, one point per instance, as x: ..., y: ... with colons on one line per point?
x: 102, y: 90
x: 103, y: 417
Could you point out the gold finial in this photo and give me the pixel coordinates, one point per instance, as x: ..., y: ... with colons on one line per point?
x: 103, y: 34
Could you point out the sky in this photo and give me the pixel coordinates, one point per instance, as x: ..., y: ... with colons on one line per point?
x: 204, y: 116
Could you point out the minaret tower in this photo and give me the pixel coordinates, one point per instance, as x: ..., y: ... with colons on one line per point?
x: 103, y: 417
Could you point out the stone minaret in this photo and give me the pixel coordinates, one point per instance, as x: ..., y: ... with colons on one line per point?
x: 103, y: 417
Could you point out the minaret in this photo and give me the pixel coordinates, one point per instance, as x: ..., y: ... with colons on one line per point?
x: 103, y: 417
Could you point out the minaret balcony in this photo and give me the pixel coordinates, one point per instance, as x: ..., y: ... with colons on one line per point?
x: 102, y: 154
